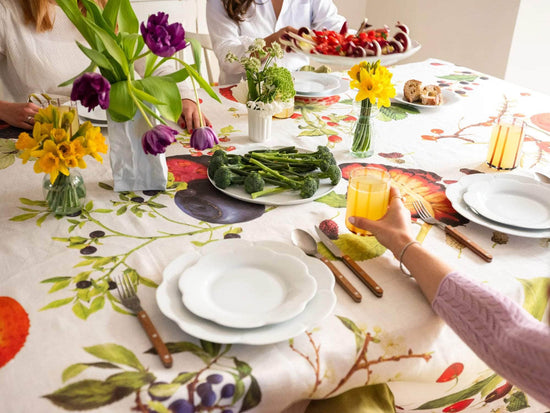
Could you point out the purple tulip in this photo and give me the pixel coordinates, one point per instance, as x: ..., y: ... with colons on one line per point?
x: 156, y: 140
x: 163, y: 39
x: 203, y: 138
x: 91, y: 89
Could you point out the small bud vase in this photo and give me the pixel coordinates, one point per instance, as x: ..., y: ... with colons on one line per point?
x: 66, y: 195
x: 259, y: 124
x: 365, y: 130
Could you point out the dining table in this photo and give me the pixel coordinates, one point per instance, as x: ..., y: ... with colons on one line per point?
x: 68, y: 344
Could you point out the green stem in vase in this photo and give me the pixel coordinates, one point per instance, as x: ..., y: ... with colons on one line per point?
x: 362, y: 133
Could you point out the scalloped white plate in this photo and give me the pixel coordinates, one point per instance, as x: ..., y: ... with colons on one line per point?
x: 510, y: 202
x: 321, y: 305
x: 455, y: 194
x: 312, y: 83
x: 96, y: 115
x: 252, y: 289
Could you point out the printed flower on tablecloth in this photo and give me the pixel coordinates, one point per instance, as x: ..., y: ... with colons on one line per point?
x: 418, y: 184
x: 14, y: 328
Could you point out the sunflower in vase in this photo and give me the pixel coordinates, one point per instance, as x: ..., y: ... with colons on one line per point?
x: 57, y: 150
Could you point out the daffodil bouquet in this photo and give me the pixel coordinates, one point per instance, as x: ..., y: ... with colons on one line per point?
x: 267, y: 86
x: 116, y: 41
x: 55, y: 149
x: 374, y: 84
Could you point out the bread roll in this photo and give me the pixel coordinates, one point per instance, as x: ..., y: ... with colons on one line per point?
x: 431, y: 95
x: 411, y: 90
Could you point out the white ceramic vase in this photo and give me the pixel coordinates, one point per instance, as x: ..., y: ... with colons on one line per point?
x: 133, y: 169
x: 259, y: 124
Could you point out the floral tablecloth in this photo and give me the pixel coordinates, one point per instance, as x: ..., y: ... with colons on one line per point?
x: 66, y: 343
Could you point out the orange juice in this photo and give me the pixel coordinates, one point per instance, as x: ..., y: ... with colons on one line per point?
x: 368, y: 196
x: 505, y: 144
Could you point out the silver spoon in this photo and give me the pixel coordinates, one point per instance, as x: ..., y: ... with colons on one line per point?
x: 307, y: 243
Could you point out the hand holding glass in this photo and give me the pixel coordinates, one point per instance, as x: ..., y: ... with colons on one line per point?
x: 368, y: 195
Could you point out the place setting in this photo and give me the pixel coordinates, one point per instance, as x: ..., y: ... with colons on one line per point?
x: 266, y: 292
x: 97, y: 116
x: 505, y: 201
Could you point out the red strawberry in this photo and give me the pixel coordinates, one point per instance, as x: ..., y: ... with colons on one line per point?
x: 330, y: 228
x: 14, y: 328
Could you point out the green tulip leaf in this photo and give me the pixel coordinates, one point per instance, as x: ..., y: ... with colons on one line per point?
x: 166, y: 91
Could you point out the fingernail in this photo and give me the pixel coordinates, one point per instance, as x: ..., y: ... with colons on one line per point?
x: 351, y: 220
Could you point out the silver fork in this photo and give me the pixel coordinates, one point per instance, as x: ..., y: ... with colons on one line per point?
x: 130, y: 300
x: 425, y: 216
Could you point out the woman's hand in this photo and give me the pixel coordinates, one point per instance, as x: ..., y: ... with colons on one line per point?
x: 20, y: 115
x: 189, y: 118
x: 393, y: 229
x: 276, y: 37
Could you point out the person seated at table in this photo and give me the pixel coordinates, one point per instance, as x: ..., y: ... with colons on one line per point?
x: 235, y: 24
x: 38, y: 51
x: 511, y: 341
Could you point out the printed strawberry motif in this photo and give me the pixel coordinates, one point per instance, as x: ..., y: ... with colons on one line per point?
x: 330, y: 228
x: 14, y: 328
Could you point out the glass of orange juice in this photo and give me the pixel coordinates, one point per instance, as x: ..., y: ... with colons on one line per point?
x: 505, y: 144
x: 368, y: 195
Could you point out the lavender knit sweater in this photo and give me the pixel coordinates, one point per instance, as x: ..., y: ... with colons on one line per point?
x: 511, y: 341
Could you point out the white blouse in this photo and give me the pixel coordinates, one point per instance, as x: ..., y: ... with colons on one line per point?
x: 32, y: 62
x: 260, y: 22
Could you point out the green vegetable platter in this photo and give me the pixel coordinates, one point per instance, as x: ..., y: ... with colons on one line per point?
x: 275, y: 176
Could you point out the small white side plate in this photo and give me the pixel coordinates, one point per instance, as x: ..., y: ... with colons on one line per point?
x: 249, y: 289
x: 511, y: 203
x: 448, y: 97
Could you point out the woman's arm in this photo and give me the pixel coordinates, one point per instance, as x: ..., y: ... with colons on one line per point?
x: 498, y: 330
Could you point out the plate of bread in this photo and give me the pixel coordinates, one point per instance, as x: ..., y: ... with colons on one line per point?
x: 419, y: 94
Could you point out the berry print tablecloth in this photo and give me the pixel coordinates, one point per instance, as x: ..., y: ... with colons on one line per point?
x: 67, y: 343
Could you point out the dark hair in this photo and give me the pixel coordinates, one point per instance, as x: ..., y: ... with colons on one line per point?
x: 236, y: 9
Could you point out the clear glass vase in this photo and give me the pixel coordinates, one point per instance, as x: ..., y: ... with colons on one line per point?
x: 365, y: 131
x: 66, y: 195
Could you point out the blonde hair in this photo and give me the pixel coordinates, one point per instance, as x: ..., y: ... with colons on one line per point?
x: 40, y: 13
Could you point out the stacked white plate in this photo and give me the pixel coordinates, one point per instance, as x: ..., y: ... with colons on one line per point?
x: 236, y: 291
x: 313, y: 84
x: 513, y: 204
x: 97, y: 116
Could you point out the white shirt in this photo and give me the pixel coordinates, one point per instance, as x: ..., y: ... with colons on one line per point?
x: 32, y: 62
x: 260, y: 22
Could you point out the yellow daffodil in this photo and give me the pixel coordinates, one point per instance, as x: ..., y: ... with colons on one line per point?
x: 373, y: 83
x: 95, y: 142
x: 26, y: 144
x: 59, y: 135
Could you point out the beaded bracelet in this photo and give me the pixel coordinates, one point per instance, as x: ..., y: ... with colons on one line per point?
x: 407, y: 273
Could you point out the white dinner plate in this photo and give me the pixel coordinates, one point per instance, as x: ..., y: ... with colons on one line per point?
x: 319, y: 307
x: 510, y: 202
x: 96, y: 115
x: 448, y: 98
x: 349, y: 61
x: 312, y: 83
x: 279, y: 199
x: 254, y: 288
x: 455, y: 194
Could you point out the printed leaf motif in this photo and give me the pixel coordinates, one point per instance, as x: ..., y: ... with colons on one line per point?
x: 87, y: 394
x: 243, y: 368
x: 132, y: 379
x: 458, y: 396
x: 75, y: 369
x: 252, y: 397
x: 183, y: 346
x: 183, y: 378
x: 163, y: 390
x: 7, y: 153
x: 460, y: 78
x: 350, y: 325
x: 213, y: 349
x: 517, y: 401
x: 333, y: 199
x: 57, y: 303
x: 535, y: 295
x: 115, y: 354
